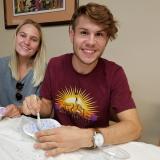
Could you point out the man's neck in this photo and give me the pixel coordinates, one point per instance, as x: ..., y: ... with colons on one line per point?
x: 81, y: 67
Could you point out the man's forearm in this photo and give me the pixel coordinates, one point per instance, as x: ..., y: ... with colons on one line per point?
x: 118, y: 133
x: 46, y: 108
x: 128, y: 129
x: 121, y: 132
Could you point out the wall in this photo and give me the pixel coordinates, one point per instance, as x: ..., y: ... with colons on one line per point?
x: 136, y: 49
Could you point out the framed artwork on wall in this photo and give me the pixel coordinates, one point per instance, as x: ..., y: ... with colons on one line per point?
x: 45, y: 12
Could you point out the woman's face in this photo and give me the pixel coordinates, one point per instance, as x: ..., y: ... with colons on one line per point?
x: 27, y: 41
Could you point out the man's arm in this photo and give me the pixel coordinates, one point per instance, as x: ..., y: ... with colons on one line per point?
x: 71, y: 138
x: 46, y: 108
x: 129, y: 128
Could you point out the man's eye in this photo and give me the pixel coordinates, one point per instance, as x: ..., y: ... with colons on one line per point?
x: 83, y: 33
x: 99, y: 34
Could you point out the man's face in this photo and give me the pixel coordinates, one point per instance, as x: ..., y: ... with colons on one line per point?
x: 89, y: 40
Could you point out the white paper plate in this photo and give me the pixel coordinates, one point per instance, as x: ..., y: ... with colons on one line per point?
x: 31, y: 128
x: 2, y: 112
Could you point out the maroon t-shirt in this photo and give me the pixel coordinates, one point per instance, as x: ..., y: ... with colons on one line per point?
x: 85, y: 100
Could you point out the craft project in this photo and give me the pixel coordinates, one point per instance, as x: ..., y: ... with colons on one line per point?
x: 31, y: 128
x: 2, y: 112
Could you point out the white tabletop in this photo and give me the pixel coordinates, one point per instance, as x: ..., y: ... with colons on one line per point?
x: 16, y: 145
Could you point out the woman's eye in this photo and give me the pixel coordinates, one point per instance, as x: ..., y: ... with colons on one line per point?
x: 34, y: 39
x: 22, y: 35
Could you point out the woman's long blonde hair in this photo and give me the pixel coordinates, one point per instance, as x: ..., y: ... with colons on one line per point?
x: 39, y: 59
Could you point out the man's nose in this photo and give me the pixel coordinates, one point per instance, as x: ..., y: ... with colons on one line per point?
x: 91, y: 40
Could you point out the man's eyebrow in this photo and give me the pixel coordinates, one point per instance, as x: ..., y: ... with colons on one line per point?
x: 83, y: 28
x: 103, y: 30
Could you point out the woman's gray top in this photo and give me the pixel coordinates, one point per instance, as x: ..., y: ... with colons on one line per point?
x: 8, y: 89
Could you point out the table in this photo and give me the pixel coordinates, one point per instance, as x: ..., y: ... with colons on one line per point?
x: 16, y: 145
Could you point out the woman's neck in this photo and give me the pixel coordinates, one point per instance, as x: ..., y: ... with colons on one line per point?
x: 24, y: 66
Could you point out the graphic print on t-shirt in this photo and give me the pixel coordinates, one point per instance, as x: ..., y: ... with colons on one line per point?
x: 77, y: 103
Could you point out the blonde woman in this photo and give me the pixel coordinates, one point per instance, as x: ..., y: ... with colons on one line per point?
x: 22, y: 72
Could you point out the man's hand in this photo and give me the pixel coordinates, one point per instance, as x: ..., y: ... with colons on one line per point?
x: 63, y: 139
x: 31, y: 105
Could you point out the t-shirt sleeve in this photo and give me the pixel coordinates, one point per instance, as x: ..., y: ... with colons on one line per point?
x: 45, y: 89
x: 121, y: 96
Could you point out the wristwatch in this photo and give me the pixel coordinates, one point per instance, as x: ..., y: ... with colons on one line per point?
x: 98, y: 139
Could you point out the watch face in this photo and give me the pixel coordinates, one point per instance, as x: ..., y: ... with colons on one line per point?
x: 99, y: 139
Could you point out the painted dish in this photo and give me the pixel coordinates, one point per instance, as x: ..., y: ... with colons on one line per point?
x: 2, y: 112
x: 31, y: 128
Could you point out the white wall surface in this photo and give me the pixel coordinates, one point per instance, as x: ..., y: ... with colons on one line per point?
x: 136, y: 48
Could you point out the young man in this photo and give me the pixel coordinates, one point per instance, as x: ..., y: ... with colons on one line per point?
x: 81, y: 87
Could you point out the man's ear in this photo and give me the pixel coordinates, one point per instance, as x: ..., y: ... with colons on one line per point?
x: 71, y: 33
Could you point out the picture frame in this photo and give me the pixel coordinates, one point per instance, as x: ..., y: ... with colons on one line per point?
x: 45, y: 12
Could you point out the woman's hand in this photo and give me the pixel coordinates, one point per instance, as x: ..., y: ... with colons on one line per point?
x: 12, y: 111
